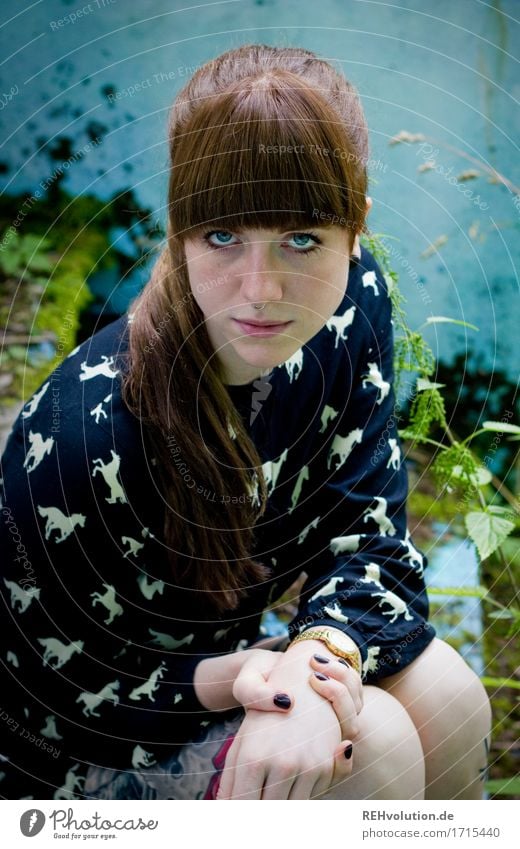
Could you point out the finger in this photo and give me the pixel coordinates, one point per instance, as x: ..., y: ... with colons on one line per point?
x: 278, y: 786
x: 254, y: 692
x: 228, y: 773
x: 248, y: 781
x: 342, y: 769
x: 340, y: 670
x: 343, y: 762
x: 341, y: 700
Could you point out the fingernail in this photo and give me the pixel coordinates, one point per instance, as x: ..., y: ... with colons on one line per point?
x: 344, y: 662
x: 282, y: 700
x: 321, y: 677
x: 348, y: 752
x: 320, y: 658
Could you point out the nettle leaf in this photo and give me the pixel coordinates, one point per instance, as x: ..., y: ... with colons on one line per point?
x: 423, y: 384
x: 487, y: 530
x: 480, y: 477
x: 443, y: 319
x: 502, y: 427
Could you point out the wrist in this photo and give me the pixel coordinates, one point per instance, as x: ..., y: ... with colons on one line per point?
x: 214, y: 678
x: 339, y: 644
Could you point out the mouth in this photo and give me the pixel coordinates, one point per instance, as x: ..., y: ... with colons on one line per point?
x: 262, y: 328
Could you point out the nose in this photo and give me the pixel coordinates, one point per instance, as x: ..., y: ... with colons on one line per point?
x: 261, y: 275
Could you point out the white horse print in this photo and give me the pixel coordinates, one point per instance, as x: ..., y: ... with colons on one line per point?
x: 397, y: 606
x: 340, y: 545
x: 109, y: 472
x: 375, y: 377
x: 21, y: 596
x: 108, y: 600
x: 141, y: 759
x: 342, y: 446
x: 369, y: 281
x: 149, y: 687
x: 58, y: 521
x: 149, y: 589
x: 271, y: 470
x: 98, y: 410
x: 340, y: 324
x: 335, y: 613
x: 166, y: 641
x: 49, y: 730
x: 73, y: 782
x: 32, y: 404
x: 294, y: 365
x: 311, y: 526
x: 39, y: 448
x: 414, y: 557
x: 329, y: 588
x: 54, y: 649
x: 371, y: 663
x: 395, y: 455
x: 378, y: 515
x: 102, y: 369
x: 303, y: 476
x: 328, y: 415
x: 134, y: 547
x: 372, y: 575
x: 92, y: 700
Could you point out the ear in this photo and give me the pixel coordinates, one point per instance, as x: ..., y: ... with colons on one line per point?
x: 369, y: 204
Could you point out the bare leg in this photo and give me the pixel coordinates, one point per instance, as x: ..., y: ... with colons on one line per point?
x: 388, y: 757
x: 451, y: 713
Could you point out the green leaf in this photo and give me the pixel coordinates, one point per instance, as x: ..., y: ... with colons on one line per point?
x: 500, y: 682
x: 476, y: 592
x: 480, y: 477
x: 503, y: 786
x: 502, y: 427
x: 487, y: 531
x: 442, y: 319
x: 423, y: 383
x: 501, y: 614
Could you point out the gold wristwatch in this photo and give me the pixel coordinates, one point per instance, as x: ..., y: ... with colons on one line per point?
x: 337, y: 642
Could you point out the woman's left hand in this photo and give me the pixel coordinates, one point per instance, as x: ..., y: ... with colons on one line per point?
x: 338, y: 670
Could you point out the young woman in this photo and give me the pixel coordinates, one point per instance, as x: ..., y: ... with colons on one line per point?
x: 183, y: 467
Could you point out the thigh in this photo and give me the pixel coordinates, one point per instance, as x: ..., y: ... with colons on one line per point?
x: 192, y: 772
x: 388, y: 759
x: 450, y: 709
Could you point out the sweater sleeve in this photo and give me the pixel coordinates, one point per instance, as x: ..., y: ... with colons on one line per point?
x: 365, y: 576
x: 93, y: 660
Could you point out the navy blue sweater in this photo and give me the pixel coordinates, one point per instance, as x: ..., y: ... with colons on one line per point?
x: 97, y: 645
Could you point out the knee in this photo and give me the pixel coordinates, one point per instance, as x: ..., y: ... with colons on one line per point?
x: 459, y: 696
x: 388, y: 748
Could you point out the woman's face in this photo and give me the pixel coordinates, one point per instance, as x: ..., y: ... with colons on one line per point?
x: 300, y: 276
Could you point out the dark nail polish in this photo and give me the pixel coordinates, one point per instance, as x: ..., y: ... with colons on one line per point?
x: 282, y: 700
x: 348, y: 752
x: 321, y: 677
x: 344, y: 662
x: 320, y: 658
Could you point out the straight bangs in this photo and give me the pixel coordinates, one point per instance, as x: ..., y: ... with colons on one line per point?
x: 271, y: 153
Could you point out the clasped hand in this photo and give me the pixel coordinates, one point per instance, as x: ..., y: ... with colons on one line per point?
x: 295, y: 741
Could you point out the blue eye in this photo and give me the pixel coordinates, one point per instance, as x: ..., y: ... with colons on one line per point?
x: 223, y: 238
x: 306, y: 241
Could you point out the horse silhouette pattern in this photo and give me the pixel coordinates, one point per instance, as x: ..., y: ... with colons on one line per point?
x: 107, y: 644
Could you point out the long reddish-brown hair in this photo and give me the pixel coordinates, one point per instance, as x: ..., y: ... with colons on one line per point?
x: 230, y: 129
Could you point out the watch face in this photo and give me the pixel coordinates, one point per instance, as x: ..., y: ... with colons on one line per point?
x: 341, y: 641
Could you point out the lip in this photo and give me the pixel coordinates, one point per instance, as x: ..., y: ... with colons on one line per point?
x: 261, y: 328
